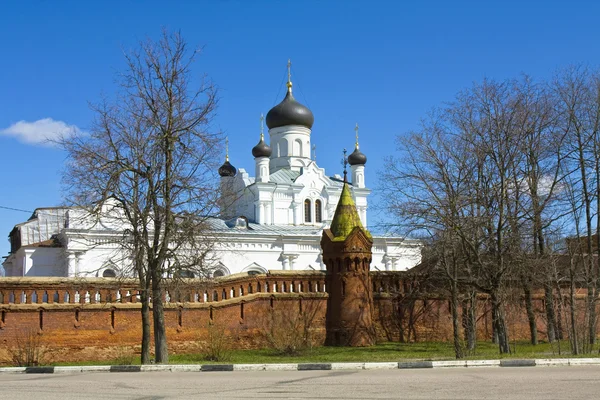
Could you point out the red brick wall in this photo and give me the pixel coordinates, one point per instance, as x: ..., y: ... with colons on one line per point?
x: 107, y: 330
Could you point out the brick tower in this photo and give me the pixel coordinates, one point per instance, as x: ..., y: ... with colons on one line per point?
x: 347, y: 255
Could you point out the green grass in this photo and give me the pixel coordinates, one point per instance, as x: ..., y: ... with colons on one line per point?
x: 379, y: 353
x: 385, y: 352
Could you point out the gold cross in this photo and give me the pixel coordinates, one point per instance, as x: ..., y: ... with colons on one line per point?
x: 356, y: 130
x: 226, y: 148
x: 289, y: 82
x: 262, y: 118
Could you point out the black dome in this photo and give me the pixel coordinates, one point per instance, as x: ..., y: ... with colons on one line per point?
x: 227, y: 169
x: 357, y: 158
x: 289, y: 112
x: 261, y: 149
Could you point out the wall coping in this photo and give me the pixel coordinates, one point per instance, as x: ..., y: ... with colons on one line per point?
x: 167, y: 306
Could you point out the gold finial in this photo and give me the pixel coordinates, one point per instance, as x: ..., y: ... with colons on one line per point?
x: 226, y: 149
x: 262, y: 128
x: 289, y: 82
x: 356, y: 130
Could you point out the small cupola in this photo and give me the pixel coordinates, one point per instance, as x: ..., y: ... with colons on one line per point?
x: 357, y: 157
x: 227, y: 169
x: 261, y: 149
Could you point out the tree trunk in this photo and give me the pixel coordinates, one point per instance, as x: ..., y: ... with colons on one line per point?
x: 550, y: 314
x: 499, y: 324
x: 591, y: 304
x: 470, y: 321
x: 530, y: 312
x: 146, y: 330
x: 494, y: 330
x: 160, y: 334
x: 411, y: 322
x: 401, y: 319
x: 458, y: 352
x: 574, y: 339
x: 559, y: 315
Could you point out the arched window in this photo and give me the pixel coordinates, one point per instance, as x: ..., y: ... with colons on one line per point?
x: 307, y: 211
x: 109, y: 273
x: 185, y: 273
x: 218, y: 273
x: 318, y: 211
x: 297, y: 148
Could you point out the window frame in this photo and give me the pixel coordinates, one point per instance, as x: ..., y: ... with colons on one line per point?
x: 318, y: 211
x: 307, y: 211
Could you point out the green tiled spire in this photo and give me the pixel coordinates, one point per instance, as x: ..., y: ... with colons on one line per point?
x: 346, y: 217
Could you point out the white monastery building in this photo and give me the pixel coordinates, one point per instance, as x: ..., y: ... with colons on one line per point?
x: 270, y: 221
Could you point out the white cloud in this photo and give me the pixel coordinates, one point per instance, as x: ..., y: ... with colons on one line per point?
x: 42, y: 131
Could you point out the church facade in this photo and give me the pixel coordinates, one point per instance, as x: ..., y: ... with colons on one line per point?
x: 273, y: 220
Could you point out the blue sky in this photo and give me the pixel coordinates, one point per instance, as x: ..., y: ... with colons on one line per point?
x: 382, y: 64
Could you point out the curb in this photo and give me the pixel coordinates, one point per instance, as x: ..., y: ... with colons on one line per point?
x: 417, y: 364
x: 516, y: 363
x: 314, y: 367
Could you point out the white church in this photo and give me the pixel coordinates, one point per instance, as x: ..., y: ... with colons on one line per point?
x: 270, y: 221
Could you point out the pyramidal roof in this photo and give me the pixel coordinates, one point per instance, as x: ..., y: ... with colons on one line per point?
x: 346, y: 217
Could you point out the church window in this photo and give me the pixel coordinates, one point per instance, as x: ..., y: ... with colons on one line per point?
x: 218, y: 273
x: 307, y: 211
x: 185, y: 273
x: 284, y: 148
x: 109, y: 273
x: 318, y: 211
x: 298, y: 148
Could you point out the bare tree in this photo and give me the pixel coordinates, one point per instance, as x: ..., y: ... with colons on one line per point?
x: 496, y: 180
x: 428, y: 191
x: 577, y: 92
x: 469, y: 178
x: 148, y: 161
x: 540, y: 173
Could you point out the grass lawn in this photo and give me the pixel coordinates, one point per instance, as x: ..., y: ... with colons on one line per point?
x: 379, y: 353
x: 385, y: 352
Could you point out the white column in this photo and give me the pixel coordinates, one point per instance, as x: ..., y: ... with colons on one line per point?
x: 78, y: 263
x: 71, y: 263
x: 81, y: 263
x: 297, y: 214
x: 268, y: 214
x: 261, y: 213
x: 362, y: 211
x: 293, y: 262
x: 388, y: 262
x: 321, y: 262
x: 286, y: 263
x: 257, y: 212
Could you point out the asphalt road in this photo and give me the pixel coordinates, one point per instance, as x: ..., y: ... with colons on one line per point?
x: 453, y: 383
